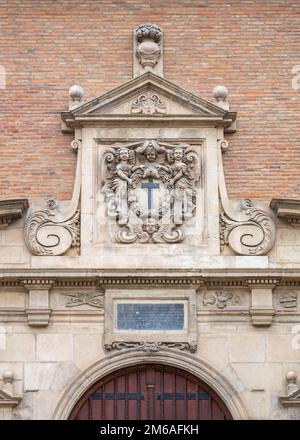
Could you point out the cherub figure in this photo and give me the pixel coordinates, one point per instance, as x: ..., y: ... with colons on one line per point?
x: 181, y: 176
x: 116, y: 186
x: 182, y: 182
x: 124, y: 165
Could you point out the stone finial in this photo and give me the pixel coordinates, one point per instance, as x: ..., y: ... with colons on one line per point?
x: 8, y: 377
x: 76, y: 94
x: 148, y: 49
x: 221, y: 96
x: 291, y: 378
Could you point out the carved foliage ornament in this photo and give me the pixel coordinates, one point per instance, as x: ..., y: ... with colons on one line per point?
x: 150, y: 347
x: 252, y: 232
x: 49, y: 232
x: 150, y: 189
x: 148, y: 103
x: 220, y: 299
x: 148, y: 39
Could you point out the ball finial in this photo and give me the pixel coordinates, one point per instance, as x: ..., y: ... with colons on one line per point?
x: 76, y: 93
x: 291, y: 376
x: 220, y: 93
x: 8, y: 376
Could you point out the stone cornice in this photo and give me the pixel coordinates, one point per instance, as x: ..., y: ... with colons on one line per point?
x: 11, y: 210
x: 262, y: 282
x: 287, y: 209
x: 37, y: 283
x: 193, y: 279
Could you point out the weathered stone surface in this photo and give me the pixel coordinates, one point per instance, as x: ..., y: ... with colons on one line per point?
x: 54, y: 347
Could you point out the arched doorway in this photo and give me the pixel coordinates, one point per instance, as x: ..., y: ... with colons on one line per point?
x: 153, y: 392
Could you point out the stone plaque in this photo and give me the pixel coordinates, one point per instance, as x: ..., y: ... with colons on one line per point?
x: 154, y: 316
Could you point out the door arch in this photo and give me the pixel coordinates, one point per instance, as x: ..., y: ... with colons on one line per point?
x: 153, y: 392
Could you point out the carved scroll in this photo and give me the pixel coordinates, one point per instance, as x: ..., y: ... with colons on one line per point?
x: 47, y: 234
x: 248, y: 230
x: 150, y: 347
x: 148, y: 103
x: 253, y: 235
x: 53, y: 228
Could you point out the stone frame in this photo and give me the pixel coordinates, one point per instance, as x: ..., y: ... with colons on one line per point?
x: 181, y: 339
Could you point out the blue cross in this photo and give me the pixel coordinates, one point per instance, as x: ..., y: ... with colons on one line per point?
x: 150, y: 186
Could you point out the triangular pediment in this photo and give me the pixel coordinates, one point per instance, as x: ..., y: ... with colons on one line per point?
x: 148, y: 95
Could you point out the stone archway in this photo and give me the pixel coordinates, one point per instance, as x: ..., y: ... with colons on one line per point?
x: 214, y: 383
x: 150, y: 392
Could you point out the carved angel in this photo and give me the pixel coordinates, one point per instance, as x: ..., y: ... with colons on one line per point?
x: 181, y: 170
x: 119, y: 163
x: 182, y: 177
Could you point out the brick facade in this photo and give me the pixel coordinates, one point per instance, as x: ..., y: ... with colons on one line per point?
x: 251, y: 47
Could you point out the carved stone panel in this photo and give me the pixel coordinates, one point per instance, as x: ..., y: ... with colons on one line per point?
x: 223, y: 300
x: 286, y: 299
x: 130, y: 322
x: 150, y: 190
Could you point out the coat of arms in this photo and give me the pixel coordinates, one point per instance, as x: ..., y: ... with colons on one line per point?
x: 150, y: 189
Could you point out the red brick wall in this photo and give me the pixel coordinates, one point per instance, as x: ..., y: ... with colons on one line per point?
x: 250, y: 46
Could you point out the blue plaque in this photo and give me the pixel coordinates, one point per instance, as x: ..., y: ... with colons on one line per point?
x: 141, y: 316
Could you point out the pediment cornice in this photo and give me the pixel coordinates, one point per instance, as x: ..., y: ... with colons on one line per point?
x: 189, y: 107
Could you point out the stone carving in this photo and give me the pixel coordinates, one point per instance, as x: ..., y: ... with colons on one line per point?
x: 150, y: 189
x: 288, y: 300
x: 220, y: 299
x: 292, y: 396
x: 49, y: 232
x: 8, y: 399
x: 148, y: 103
x: 11, y: 210
x: 148, y: 38
x: 85, y: 298
x: 250, y: 233
x: 150, y: 347
x: 287, y: 209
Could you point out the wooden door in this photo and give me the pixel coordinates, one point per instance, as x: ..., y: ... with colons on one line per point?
x: 150, y: 392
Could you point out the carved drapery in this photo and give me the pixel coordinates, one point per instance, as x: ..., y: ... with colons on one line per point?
x: 150, y: 189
